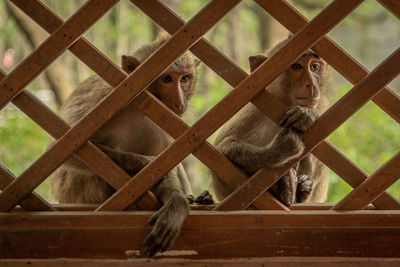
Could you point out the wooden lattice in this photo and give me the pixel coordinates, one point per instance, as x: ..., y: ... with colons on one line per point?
x: 235, y: 233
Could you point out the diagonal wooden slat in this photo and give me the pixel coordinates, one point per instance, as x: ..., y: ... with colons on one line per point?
x: 353, y: 71
x: 167, y: 120
x: 33, y: 202
x: 52, y: 47
x: 90, y: 154
x: 328, y: 155
x: 209, y: 155
x: 350, y: 173
x: 329, y: 121
x: 392, y: 5
x: 230, y: 104
x: 372, y: 187
x: 170, y: 22
x: 130, y: 87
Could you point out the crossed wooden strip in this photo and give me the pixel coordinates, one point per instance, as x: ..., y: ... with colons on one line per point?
x: 130, y: 87
x: 151, y: 106
x: 354, y: 72
x: 328, y: 122
x: 231, y: 75
x: 56, y: 127
x: 331, y: 157
x: 235, y: 100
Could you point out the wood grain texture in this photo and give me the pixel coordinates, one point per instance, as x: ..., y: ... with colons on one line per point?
x: 113, y: 103
x: 170, y: 259
x: 372, y: 187
x: 52, y: 47
x: 208, y: 234
x: 265, y: 178
x: 350, y: 173
x: 391, y: 5
x: 330, y: 156
x: 99, y: 162
x: 326, y: 124
x: 150, y: 105
x: 333, y: 53
x: 225, y: 68
x: 33, y: 202
x: 229, y: 105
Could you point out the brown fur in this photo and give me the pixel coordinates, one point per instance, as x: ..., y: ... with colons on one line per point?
x: 132, y: 140
x: 253, y: 141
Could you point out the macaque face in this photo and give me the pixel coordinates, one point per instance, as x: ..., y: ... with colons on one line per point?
x: 305, y: 77
x: 301, y: 83
x: 174, y: 88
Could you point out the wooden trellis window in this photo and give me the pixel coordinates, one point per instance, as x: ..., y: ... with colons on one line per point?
x: 228, y: 230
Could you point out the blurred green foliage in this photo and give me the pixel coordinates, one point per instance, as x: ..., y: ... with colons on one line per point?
x: 369, y: 138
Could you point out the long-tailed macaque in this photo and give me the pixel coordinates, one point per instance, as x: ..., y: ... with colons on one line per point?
x: 132, y: 140
x: 252, y: 141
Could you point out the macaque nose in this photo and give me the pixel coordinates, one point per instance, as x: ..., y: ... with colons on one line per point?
x: 310, y: 89
x: 179, y: 108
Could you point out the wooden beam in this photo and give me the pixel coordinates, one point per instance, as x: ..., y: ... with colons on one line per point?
x: 171, y: 259
x: 336, y: 57
x: 136, y: 82
x: 372, y: 187
x: 229, y: 105
x: 206, y: 234
x: 95, y: 159
x: 52, y: 47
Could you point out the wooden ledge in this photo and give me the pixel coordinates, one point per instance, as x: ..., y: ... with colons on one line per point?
x: 205, y: 234
x: 250, y: 262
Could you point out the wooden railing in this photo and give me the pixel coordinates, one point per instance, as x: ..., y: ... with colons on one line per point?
x: 264, y: 233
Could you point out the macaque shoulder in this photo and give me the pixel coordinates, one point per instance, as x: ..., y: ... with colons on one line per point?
x: 84, y: 98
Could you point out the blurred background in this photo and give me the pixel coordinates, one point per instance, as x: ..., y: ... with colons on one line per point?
x: 369, y: 34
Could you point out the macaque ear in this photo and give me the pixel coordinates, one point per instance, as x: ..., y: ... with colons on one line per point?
x: 129, y: 63
x: 256, y: 61
x: 196, y: 62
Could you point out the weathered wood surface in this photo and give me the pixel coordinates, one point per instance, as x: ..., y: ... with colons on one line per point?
x: 130, y: 87
x: 173, y: 261
x: 336, y: 57
x: 205, y: 234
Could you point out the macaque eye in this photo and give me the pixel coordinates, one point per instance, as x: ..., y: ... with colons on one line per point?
x: 315, y: 67
x: 185, y: 78
x: 296, y: 66
x: 166, y: 78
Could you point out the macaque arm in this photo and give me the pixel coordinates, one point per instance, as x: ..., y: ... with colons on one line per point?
x: 284, y: 147
x: 130, y: 162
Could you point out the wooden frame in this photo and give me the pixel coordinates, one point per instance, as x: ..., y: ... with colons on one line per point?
x: 227, y: 231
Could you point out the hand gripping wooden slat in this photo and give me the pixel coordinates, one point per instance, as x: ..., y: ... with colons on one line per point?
x: 328, y: 154
x: 127, y: 89
x: 333, y: 54
x: 235, y: 100
x: 52, y: 47
x: 372, y: 187
x: 328, y: 122
x: 218, y: 62
x: 229, y: 71
x: 206, y: 152
x: 168, y: 121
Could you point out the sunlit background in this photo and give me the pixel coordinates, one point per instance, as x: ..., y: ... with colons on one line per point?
x: 369, y: 34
